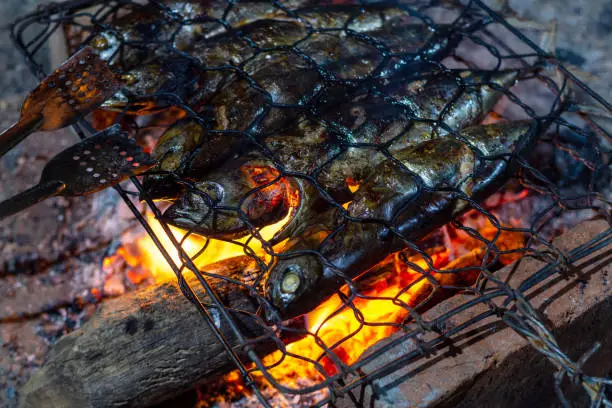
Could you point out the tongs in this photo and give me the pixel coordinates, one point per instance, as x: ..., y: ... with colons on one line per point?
x: 98, y: 162
x: 77, y: 87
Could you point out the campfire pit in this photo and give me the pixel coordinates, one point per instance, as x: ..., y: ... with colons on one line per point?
x: 433, y: 292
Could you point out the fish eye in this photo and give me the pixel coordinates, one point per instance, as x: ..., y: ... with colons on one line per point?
x: 100, y: 43
x: 291, y: 279
x: 129, y: 78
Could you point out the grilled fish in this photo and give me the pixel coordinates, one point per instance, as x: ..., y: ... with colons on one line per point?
x: 153, y: 87
x: 351, y: 154
x: 222, y: 207
x: 134, y: 37
x: 273, y: 53
x: 423, y: 189
x: 247, y: 191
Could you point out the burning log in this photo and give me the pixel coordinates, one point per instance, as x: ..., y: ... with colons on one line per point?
x: 144, y: 347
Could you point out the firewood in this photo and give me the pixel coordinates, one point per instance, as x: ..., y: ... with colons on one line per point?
x: 144, y: 347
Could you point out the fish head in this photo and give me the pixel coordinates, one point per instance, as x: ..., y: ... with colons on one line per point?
x: 193, y: 207
x: 232, y: 200
x: 292, y: 285
x: 172, y: 152
x: 141, y: 24
x: 146, y: 85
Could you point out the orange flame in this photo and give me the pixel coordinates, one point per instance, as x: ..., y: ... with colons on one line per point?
x: 381, y: 309
x: 350, y: 331
x: 144, y: 253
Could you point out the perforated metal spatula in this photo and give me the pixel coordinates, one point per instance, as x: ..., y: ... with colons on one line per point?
x: 99, y: 162
x: 77, y: 87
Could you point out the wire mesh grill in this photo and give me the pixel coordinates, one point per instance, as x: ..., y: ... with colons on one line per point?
x: 428, y: 144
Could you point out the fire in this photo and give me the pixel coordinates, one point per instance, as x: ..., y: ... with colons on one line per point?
x: 379, y: 310
x: 382, y: 307
x: 145, y: 254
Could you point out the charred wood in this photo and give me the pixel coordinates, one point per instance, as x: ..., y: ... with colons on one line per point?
x: 145, y: 347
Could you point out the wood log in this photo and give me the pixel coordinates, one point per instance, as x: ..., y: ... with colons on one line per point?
x: 145, y: 347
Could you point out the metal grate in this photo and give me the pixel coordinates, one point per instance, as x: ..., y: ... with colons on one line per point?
x: 277, y: 101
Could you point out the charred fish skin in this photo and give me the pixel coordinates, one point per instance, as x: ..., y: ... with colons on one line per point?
x: 405, y: 115
x: 380, y: 54
x: 465, y: 165
x: 289, y: 79
x: 181, y: 23
x: 221, y: 56
x: 355, y: 17
x: 414, y: 202
x: 224, y: 13
x: 457, y: 98
x: 240, y: 44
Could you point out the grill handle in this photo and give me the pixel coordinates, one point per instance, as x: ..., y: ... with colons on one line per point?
x: 29, y: 197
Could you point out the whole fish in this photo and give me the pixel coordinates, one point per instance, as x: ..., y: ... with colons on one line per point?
x: 423, y: 189
x: 273, y: 53
x: 351, y: 154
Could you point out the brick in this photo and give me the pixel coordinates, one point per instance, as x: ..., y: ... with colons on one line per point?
x: 490, y: 364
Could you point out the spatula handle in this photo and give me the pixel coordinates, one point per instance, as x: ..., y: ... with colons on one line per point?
x: 30, y: 197
x: 19, y: 131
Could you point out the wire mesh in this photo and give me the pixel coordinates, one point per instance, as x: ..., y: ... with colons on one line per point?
x: 342, y: 146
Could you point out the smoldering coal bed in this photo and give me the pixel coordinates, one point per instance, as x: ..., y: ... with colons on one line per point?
x: 495, y: 270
